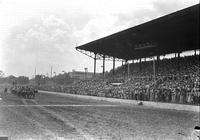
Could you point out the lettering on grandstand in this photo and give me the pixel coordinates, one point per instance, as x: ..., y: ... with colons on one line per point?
x: 144, y: 46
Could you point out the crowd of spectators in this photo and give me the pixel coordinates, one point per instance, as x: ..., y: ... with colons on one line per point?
x: 176, y: 81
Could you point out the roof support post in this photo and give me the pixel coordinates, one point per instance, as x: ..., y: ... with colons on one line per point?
x: 95, y: 59
x: 103, y: 65
x: 195, y: 52
x: 178, y: 61
x: 158, y: 57
x: 179, y: 43
x: 154, y: 69
x: 140, y: 64
x: 157, y: 63
x: 133, y: 65
x: 128, y: 69
x: 113, y: 65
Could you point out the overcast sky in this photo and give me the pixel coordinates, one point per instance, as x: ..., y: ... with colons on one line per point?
x: 44, y: 33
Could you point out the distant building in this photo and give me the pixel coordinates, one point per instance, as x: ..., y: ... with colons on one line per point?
x: 82, y: 75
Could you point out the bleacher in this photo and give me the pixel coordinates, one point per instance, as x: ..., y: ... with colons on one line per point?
x: 171, y: 84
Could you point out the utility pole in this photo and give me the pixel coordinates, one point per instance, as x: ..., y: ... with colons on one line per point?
x: 35, y: 71
x: 35, y: 76
x: 51, y: 71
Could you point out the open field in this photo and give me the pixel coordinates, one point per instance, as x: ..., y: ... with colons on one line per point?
x: 61, y: 117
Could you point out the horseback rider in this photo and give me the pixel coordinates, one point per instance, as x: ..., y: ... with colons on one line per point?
x: 6, y: 90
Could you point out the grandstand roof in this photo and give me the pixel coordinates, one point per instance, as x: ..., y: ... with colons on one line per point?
x: 176, y: 32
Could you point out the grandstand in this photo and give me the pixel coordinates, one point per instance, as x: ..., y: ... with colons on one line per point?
x: 150, y: 76
x: 165, y: 80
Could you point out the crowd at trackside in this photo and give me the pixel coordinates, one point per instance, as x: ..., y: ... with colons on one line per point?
x: 172, y: 83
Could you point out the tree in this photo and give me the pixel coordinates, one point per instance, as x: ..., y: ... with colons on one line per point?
x: 40, y: 79
x: 62, y: 79
x: 22, y: 80
x: 11, y: 79
x: 1, y: 74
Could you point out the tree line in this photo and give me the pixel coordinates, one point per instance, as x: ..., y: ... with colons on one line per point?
x: 61, y: 79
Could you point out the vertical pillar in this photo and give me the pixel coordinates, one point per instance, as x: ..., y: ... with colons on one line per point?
x: 133, y: 65
x: 113, y: 65
x: 157, y: 64
x: 158, y: 57
x: 178, y: 61
x: 140, y: 64
x: 154, y: 69
x: 85, y: 75
x: 128, y: 69
x: 125, y: 70
x: 95, y: 59
x: 103, y: 65
x: 178, y: 54
x: 195, y: 52
x: 179, y: 51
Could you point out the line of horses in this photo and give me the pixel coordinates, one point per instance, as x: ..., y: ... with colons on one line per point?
x: 26, y: 92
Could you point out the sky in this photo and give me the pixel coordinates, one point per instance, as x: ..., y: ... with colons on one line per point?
x: 44, y: 33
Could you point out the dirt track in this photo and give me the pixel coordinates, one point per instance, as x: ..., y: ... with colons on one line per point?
x: 60, y: 117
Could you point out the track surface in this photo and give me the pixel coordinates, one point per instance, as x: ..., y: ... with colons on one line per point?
x: 50, y: 117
